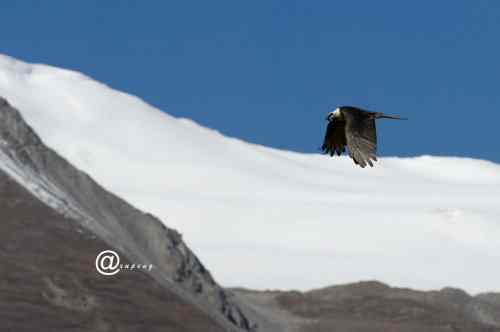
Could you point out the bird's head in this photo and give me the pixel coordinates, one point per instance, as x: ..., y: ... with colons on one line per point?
x: 334, y: 115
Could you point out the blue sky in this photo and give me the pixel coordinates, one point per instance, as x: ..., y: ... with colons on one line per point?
x: 269, y: 71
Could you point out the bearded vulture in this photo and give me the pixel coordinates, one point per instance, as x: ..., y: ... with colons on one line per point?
x: 355, y: 128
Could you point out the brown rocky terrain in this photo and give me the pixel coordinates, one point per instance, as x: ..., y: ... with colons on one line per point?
x: 48, y: 281
x: 374, y: 306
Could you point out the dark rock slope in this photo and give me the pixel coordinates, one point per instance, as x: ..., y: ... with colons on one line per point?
x: 54, y: 221
x: 48, y: 281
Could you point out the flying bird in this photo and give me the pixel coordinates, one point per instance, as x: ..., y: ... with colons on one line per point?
x: 355, y: 128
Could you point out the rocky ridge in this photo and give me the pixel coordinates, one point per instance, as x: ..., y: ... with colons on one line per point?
x: 140, y: 236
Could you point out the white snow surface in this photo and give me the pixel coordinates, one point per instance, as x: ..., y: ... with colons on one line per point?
x: 262, y: 218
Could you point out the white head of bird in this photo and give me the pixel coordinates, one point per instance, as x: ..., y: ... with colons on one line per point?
x: 334, y: 115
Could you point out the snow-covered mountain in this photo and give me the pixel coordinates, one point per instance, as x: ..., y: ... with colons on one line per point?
x: 265, y: 218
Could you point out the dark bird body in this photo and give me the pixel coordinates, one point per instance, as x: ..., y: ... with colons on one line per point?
x: 355, y: 128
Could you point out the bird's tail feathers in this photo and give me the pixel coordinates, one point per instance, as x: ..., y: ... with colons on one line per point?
x: 383, y: 116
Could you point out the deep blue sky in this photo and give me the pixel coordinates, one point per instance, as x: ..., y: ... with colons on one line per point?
x: 269, y: 71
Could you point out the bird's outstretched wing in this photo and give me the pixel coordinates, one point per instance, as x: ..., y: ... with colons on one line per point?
x: 335, y: 140
x: 361, y: 136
